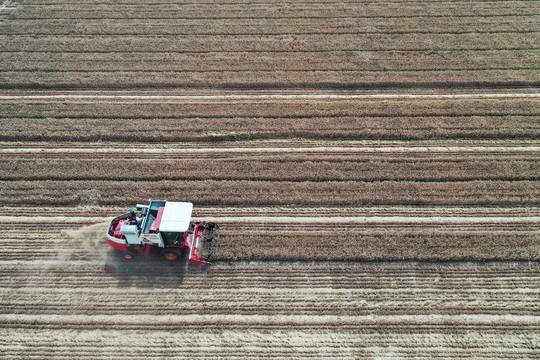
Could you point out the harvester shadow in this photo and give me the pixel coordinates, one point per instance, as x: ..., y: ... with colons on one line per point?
x: 150, y: 272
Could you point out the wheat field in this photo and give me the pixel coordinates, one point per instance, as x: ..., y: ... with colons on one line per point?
x: 373, y: 165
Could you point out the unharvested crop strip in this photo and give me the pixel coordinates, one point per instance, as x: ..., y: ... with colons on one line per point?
x: 344, y: 79
x: 274, y: 108
x: 57, y: 128
x: 277, y: 10
x: 289, y: 61
x: 472, y: 193
x: 323, y: 43
x: 276, y: 168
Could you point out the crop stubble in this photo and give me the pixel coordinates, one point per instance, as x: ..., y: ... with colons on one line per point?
x: 73, y: 296
x: 284, y: 311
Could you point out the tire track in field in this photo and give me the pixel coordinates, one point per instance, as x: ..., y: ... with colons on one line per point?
x: 299, y: 220
x: 203, y: 211
x: 75, y: 95
x: 434, y: 149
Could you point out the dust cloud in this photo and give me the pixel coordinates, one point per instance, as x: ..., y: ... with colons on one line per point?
x: 85, y: 242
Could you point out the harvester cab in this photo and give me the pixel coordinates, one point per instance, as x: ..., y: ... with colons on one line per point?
x: 166, y: 227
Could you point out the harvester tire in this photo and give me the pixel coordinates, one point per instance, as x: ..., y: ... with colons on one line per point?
x: 172, y: 254
x: 128, y: 255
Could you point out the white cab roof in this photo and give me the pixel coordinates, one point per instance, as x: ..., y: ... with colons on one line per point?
x: 176, y: 217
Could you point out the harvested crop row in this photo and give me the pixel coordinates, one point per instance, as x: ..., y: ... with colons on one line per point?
x: 112, y: 273
x: 272, y: 10
x: 520, y: 24
x: 390, y: 323
x: 281, y: 301
x: 277, y: 168
x: 269, y: 108
x: 365, y: 42
x: 386, y: 275
x: 48, y: 127
x: 216, y: 211
x: 288, y: 344
x: 487, y: 193
x: 368, y: 61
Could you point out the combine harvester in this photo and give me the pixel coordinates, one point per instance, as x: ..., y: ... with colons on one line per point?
x: 166, y: 227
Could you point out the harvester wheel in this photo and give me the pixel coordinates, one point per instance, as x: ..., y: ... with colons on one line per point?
x: 171, y: 254
x: 128, y: 255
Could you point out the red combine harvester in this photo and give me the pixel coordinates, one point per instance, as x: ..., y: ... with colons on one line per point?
x: 164, y: 226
